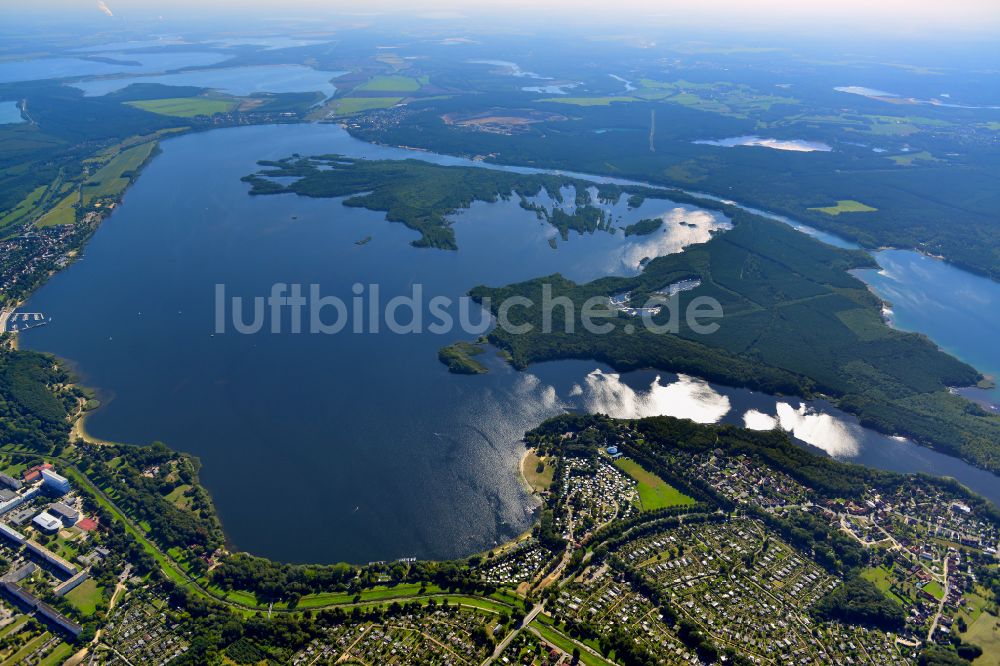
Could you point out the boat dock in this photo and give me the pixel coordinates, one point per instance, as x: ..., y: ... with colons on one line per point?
x: 12, y: 322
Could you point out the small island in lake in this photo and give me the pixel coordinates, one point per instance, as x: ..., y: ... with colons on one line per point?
x: 644, y: 227
x: 458, y: 356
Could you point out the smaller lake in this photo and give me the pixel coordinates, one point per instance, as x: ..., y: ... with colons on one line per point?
x: 9, y: 113
x: 957, y: 310
x: 872, y: 93
x: 629, y: 87
x: 864, y: 92
x: 509, y: 68
x: 233, y: 80
x: 554, y: 89
x: 60, y: 68
x: 794, y: 145
x: 269, y: 43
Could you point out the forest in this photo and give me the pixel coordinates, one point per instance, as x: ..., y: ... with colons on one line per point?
x: 33, y: 413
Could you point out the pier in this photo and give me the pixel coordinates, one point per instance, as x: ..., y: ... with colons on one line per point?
x: 12, y: 322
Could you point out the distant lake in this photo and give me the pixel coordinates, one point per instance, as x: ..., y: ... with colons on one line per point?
x: 233, y: 80
x: 864, y: 92
x: 795, y: 145
x: 59, y: 68
x: 361, y: 447
x: 940, y: 100
x: 134, y: 44
x: 509, y: 68
x: 269, y: 43
x: 9, y: 113
x: 629, y: 87
x: 554, y: 89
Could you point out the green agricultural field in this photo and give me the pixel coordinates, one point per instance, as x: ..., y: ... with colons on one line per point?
x: 63, y: 213
x: 19, y: 212
x: 234, y: 596
x: 724, y: 98
x: 348, y: 105
x: 374, y: 594
x: 882, y: 578
x: 507, y: 598
x: 58, y: 655
x: 985, y: 632
x: 86, y: 597
x: 391, y: 84
x: 28, y: 648
x: 909, y: 159
x: 654, y: 492
x: 177, y: 498
x: 112, y: 179
x: 185, y: 107
x: 846, y: 206
x: 539, y: 481
x: 14, y: 626
x: 934, y: 589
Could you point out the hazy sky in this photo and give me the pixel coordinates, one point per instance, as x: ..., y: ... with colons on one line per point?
x: 890, y: 17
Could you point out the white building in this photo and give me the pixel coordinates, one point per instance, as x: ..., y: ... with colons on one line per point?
x: 47, y: 522
x: 55, y: 481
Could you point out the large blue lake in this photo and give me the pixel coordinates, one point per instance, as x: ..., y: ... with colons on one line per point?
x: 359, y: 447
x: 233, y: 80
x: 113, y: 63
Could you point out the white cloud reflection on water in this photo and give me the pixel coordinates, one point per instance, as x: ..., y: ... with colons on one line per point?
x: 838, y: 438
x: 681, y: 227
x: 794, y: 145
x: 755, y: 420
x: 695, y: 399
x: 688, y: 397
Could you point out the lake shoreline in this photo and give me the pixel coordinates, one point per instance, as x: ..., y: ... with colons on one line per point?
x: 83, y: 426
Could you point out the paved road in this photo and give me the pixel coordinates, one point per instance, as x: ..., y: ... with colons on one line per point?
x: 506, y: 641
x: 944, y: 598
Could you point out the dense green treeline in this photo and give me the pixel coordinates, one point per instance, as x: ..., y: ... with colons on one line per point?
x: 858, y: 601
x: 33, y: 412
x: 278, y: 581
